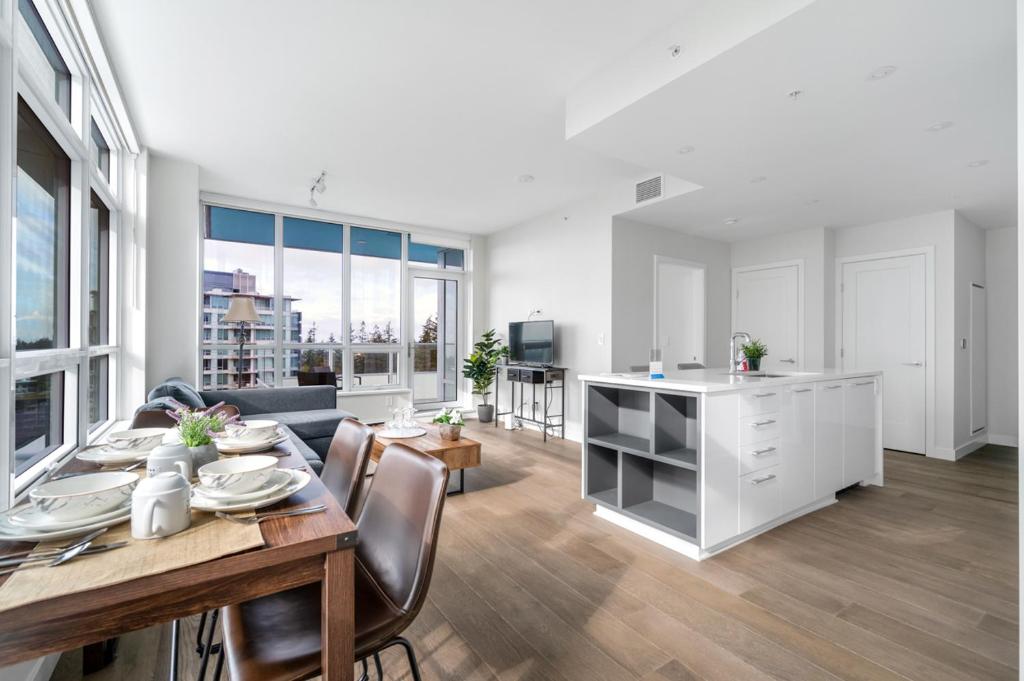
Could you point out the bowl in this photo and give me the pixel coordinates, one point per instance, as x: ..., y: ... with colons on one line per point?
x: 238, y: 475
x: 139, y: 439
x: 254, y: 431
x: 83, y: 496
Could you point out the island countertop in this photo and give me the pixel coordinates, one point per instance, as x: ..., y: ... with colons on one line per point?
x: 720, y: 380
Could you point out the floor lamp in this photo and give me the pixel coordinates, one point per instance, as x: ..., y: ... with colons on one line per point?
x: 241, y: 311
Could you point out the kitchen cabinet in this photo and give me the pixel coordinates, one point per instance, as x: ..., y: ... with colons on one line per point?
x: 859, y: 431
x: 828, y: 437
x: 797, y: 447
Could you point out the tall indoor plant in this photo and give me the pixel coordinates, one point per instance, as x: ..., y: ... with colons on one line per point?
x: 480, y: 366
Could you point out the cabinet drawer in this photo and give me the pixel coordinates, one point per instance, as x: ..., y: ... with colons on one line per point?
x: 758, y: 428
x: 760, y: 498
x: 759, y: 402
x: 759, y: 456
x: 512, y: 374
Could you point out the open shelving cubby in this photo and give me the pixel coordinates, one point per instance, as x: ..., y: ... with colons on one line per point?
x: 676, y: 429
x: 661, y: 494
x: 602, y: 477
x: 619, y: 418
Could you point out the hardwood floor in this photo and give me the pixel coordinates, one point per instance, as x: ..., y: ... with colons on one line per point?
x: 916, y: 580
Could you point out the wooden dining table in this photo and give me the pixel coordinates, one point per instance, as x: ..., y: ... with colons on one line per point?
x: 299, y: 550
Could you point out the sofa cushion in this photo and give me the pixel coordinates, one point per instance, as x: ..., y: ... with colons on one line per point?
x: 253, y: 401
x: 308, y: 425
x: 308, y: 454
x: 176, y: 388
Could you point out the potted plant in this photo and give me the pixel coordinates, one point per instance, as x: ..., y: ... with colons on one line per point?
x: 754, y: 351
x: 449, y: 423
x: 197, y: 429
x: 480, y: 366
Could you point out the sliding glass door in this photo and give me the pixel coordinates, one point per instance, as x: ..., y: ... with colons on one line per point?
x: 435, y: 339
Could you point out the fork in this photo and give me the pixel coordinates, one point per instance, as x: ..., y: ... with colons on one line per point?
x: 59, y: 560
x: 256, y: 519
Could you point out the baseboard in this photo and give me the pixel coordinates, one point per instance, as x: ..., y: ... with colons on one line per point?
x: 1004, y: 440
x: 972, y: 446
x: 944, y: 453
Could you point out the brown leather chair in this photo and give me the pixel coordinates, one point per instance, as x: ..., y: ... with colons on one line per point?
x: 345, y: 466
x: 277, y: 638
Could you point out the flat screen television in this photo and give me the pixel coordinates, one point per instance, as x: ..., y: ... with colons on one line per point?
x: 532, y: 342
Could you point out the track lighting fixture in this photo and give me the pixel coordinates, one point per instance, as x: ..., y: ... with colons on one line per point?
x: 319, y: 186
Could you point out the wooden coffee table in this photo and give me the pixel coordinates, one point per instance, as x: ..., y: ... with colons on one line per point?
x: 458, y: 455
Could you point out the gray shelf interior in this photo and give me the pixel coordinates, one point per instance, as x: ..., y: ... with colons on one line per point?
x: 619, y: 418
x: 676, y: 428
x: 660, y: 493
x: 603, y: 475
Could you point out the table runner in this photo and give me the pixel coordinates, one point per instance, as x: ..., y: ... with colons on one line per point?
x: 208, y: 538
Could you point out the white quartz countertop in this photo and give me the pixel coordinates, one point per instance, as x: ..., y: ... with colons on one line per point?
x: 720, y: 380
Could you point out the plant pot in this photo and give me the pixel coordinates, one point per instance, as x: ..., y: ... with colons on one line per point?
x: 754, y: 363
x: 203, y: 455
x: 484, y: 413
x: 449, y: 432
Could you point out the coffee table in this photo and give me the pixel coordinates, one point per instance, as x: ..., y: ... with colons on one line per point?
x: 458, y: 455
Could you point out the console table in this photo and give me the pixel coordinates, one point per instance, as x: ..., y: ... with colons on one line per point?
x: 551, y: 380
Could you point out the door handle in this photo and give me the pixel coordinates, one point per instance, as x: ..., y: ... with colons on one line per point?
x: 833, y: 387
x: 758, y: 424
x: 763, y: 394
x: 762, y: 452
x: 913, y: 364
x: 788, y: 361
x: 802, y: 390
x: 758, y: 481
x: 865, y: 383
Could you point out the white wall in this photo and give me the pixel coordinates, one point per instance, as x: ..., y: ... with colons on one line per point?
x: 1001, y: 282
x: 634, y: 245
x: 813, y: 247
x: 172, y: 261
x: 969, y: 266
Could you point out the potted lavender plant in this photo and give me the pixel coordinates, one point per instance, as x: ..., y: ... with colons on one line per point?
x: 197, y: 429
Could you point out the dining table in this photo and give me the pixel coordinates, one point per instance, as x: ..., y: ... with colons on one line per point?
x: 297, y: 550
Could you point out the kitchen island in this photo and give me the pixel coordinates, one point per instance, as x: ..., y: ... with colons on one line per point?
x: 704, y: 459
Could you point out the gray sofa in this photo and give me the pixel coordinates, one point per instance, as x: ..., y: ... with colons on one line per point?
x: 309, y: 413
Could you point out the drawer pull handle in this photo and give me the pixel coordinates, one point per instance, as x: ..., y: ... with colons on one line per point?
x: 758, y: 424
x: 762, y: 452
x: 801, y: 390
x: 833, y: 387
x: 865, y: 383
x: 759, y: 481
x: 763, y: 394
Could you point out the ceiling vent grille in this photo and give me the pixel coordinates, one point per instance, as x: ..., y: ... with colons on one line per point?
x: 648, y: 189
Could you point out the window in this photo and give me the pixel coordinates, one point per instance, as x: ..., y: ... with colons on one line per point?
x: 99, y: 151
x: 99, y: 271
x: 43, y: 228
x: 99, y: 400
x: 38, y: 419
x: 376, y: 286
x: 56, y: 68
x: 425, y: 255
x: 312, y: 281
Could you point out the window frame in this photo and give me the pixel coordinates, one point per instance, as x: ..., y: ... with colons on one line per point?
x: 347, y: 385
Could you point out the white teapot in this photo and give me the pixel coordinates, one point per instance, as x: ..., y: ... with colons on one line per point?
x: 161, y: 506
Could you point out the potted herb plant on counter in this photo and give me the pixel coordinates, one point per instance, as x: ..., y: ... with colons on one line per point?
x: 480, y: 368
x: 754, y: 351
x: 449, y: 423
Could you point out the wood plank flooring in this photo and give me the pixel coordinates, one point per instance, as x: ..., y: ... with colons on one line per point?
x: 913, y: 581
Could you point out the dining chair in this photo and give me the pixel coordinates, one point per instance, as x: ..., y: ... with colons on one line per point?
x: 158, y: 418
x: 345, y: 466
x: 277, y: 638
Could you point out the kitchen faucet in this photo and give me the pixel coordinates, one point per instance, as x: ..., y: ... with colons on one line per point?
x: 733, y: 362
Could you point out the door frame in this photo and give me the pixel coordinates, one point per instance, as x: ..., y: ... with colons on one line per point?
x: 929, y: 328
x: 660, y: 259
x: 460, y: 336
x: 799, y: 264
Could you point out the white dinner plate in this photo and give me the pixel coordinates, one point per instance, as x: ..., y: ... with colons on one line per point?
x: 235, y: 446
x: 10, y: 532
x: 400, y: 433
x: 299, y: 479
x: 105, y: 455
x: 31, y: 518
x: 278, y: 479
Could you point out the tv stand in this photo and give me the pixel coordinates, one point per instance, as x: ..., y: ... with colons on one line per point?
x: 552, y: 380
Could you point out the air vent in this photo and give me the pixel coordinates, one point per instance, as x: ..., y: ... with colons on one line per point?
x: 648, y: 189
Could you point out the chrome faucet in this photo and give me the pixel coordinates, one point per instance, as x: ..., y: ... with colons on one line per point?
x: 734, y: 363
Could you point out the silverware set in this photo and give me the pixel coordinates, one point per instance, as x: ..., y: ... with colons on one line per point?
x: 57, y: 556
x: 257, y: 519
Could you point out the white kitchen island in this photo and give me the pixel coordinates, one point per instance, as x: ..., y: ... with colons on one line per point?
x: 702, y: 460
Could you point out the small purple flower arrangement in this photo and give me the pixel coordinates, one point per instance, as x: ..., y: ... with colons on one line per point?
x: 199, y: 427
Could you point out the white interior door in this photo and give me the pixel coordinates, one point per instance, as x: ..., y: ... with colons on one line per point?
x: 976, y: 347
x: 884, y: 328
x: 679, y: 312
x: 767, y: 304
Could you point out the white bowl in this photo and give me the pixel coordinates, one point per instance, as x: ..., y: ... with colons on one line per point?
x: 137, y: 440
x: 238, y: 475
x: 84, y: 496
x: 254, y: 431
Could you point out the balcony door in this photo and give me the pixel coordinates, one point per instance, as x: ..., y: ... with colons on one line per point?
x: 435, y: 344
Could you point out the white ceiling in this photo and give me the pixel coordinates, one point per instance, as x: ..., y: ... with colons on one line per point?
x: 849, y: 150
x: 421, y: 112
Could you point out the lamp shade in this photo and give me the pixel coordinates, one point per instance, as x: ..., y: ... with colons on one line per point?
x: 241, y: 309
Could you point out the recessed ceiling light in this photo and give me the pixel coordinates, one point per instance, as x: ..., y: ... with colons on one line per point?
x: 731, y: 221
x: 793, y: 94
x: 939, y: 125
x: 525, y: 179
x: 759, y: 178
x: 881, y: 72
x: 685, y: 150
x: 978, y: 163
